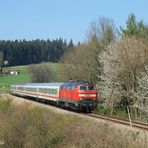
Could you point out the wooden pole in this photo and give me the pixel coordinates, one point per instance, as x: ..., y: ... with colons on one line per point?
x: 129, y: 116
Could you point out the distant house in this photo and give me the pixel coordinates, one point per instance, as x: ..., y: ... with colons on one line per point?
x: 13, y: 72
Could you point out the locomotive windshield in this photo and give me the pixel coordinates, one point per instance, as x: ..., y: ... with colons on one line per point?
x: 89, y: 87
x: 83, y: 88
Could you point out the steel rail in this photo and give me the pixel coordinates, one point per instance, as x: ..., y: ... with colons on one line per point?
x: 135, y: 124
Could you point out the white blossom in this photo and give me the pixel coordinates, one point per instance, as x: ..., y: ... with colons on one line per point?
x: 121, y: 63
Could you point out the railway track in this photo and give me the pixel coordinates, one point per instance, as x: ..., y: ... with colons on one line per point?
x: 134, y: 124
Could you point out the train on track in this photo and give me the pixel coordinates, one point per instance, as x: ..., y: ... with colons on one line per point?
x: 75, y: 95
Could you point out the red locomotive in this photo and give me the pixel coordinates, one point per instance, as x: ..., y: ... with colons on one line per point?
x: 77, y: 95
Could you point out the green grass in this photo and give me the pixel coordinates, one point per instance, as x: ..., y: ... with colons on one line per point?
x: 7, y: 80
x: 23, y: 77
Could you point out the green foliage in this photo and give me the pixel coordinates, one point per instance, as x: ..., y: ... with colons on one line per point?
x: 107, y: 112
x: 1, y: 60
x: 46, y: 72
x: 31, y: 52
x: 122, y: 114
x: 1, y: 57
x: 40, y: 73
x: 134, y: 28
x: 70, y: 44
x: 103, y: 111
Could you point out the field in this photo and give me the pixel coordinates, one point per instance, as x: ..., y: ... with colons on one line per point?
x: 23, y: 77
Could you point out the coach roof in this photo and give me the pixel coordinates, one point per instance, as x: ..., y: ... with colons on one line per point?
x: 39, y: 84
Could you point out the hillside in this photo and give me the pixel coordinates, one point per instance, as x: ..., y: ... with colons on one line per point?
x: 40, y: 127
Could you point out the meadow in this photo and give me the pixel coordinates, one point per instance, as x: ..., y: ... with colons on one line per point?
x: 24, y: 75
x: 7, y: 80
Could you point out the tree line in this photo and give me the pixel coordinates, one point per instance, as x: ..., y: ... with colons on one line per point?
x: 117, y: 60
x: 23, y: 52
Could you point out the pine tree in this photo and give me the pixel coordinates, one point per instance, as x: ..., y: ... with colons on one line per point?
x: 1, y: 60
x: 133, y: 27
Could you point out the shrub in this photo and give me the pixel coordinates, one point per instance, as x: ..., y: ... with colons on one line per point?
x: 41, y: 73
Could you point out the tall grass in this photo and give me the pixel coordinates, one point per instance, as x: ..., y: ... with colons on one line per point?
x: 24, y: 126
x: 34, y: 127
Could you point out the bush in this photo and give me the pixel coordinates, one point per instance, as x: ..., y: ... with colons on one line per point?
x: 41, y: 73
x: 122, y: 114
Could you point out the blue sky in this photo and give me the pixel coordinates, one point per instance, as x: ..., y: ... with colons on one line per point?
x: 42, y: 19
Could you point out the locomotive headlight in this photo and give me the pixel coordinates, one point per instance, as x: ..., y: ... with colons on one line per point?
x: 81, y: 99
x: 92, y: 95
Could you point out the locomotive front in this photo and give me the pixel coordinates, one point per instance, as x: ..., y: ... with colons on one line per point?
x: 87, y: 96
x: 79, y: 95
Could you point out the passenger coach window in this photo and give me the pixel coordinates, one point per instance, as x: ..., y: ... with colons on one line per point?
x: 72, y: 87
x: 69, y: 87
x: 83, y: 88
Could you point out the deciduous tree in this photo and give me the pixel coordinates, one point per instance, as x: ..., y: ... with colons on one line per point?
x: 121, y: 62
x: 40, y: 73
x: 82, y: 61
x: 141, y: 94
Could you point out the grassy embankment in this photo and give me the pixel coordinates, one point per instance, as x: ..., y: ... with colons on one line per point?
x: 26, y: 126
